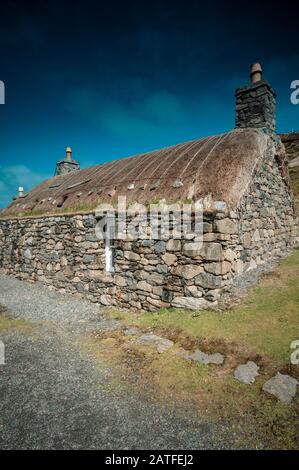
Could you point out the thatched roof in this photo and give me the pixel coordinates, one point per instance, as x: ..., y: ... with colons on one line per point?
x: 220, y: 166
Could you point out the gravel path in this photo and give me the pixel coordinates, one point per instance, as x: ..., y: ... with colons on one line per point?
x: 36, y: 303
x: 53, y: 397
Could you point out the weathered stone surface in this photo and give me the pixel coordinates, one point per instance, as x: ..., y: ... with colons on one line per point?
x: 238, y: 266
x: 227, y: 226
x: 28, y: 254
x: 204, y: 358
x: 187, y: 271
x: 282, y: 386
x: 160, y: 247
x: 120, y: 281
x: 89, y: 258
x: 193, y: 249
x: 169, y: 259
x: 208, y: 281
x: 161, y: 344
x: 211, y: 251
x: 246, y: 240
x: 156, y: 279
x: 157, y: 302
x: 222, y: 267
x: 107, y: 300
x: 190, y: 303
x: 143, y: 285
x: 229, y: 255
x: 132, y: 331
x: 131, y: 256
x: 246, y: 373
x: 194, y: 291
x: 173, y: 245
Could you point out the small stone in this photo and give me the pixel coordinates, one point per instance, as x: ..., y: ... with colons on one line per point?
x: 131, y: 256
x: 169, y: 259
x: 187, y: 271
x: 120, y: 281
x: 157, y: 303
x: 239, y: 266
x: 173, y: 245
x: 160, y: 247
x: 161, y: 344
x: 190, y: 303
x: 193, y: 291
x: 79, y: 224
x: 156, y: 279
x: 229, y: 255
x: 106, y: 300
x: 282, y: 386
x: 28, y: 253
x: 145, y: 286
x: 89, y: 258
x: 132, y: 331
x: 192, y: 249
x: 208, y: 281
x: 222, y: 267
x: 246, y: 239
x: 211, y: 251
x: 226, y: 226
x: 246, y: 373
x: 204, y: 358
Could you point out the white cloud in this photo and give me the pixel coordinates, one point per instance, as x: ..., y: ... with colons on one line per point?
x: 13, y: 176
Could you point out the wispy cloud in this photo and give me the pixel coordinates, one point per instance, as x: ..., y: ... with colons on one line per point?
x: 11, y: 177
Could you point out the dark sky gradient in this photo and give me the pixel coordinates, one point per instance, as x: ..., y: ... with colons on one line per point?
x: 121, y: 77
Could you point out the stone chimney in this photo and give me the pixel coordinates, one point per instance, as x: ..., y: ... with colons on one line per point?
x: 256, y: 103
x: 67, y: 165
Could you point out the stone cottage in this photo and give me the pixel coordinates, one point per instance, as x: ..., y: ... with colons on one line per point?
x: 240, y: 178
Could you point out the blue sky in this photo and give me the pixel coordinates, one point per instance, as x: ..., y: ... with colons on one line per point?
x: 120, y: 78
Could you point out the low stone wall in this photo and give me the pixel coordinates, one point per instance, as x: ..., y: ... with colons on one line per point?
x: 65, y: 253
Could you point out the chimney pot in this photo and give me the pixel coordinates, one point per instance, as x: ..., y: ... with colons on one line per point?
x: 256, y: 72
x: 68, y: 151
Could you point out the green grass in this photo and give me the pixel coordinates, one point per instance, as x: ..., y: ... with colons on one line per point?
x: 266, y: 322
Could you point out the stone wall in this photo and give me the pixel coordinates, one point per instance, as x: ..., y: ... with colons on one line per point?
x: 65, y: 253
x: 268, y: 225
x: 291, y: 143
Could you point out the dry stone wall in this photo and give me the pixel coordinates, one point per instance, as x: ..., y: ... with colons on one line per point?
x: 64, y: 253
